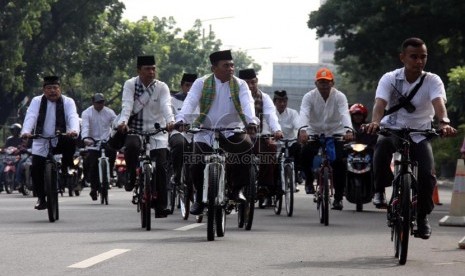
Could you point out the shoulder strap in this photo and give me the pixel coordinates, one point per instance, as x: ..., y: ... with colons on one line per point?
x: 408, y: 99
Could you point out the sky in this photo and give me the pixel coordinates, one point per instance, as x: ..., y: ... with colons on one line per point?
x: 269, y: 31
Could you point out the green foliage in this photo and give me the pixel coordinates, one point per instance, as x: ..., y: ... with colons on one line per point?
x: 92, y: 49
x: 456, y: 94
x: 371, y: 33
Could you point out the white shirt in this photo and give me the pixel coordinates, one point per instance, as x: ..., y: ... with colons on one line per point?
x: 421, y: 118
x: 97, y: 124
x: 270, y: 120
x: 325, y: 117
x: 222, y: 112
x: 40, y: 146
x: 157, y: 110
x: 289, y: 121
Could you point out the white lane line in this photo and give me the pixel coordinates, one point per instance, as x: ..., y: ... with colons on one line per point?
x: 99, y: 258
x: 188, y: 227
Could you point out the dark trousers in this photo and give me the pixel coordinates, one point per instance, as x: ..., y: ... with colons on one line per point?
x: 422, y: 153
x: 92, y: 164
x: 295, y: 152
x: 179, y: 147
x: 266, y: 151
x: 133, y: 145
x: 309, y: 151
x: 238, y: 145
x: 65, y: 146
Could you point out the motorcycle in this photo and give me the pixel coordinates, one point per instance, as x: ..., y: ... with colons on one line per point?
x: 10, y: 159
x: 121, y: 171
x: 74, y: 175
x: 359, y: 187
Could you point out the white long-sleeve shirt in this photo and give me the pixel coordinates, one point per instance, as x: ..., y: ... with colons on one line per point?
x: 40, y: 146
x: 270, y: 120
x: 157, y: 110
x: 325, y: 117
x: 222, y: 112
x: 289, y: 122
x: 97, y: 124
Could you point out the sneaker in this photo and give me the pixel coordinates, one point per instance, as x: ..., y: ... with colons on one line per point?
x: 423, y: 227
x: 337, y: 205
x: 379, y: 200
x: 41, y: 204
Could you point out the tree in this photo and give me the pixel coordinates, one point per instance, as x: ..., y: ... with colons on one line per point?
x: 370, y: 34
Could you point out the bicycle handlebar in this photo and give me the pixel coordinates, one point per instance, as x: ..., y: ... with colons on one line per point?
x: 402, y: 132
x: 216, y: 129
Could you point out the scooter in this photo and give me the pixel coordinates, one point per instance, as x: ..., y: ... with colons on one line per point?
x: 359, y: 186
x: 121, y: 171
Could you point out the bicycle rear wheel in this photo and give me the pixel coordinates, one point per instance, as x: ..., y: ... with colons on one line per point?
x: 185, y: 193
x: 50, y: 179
x: 249, y: 205
x: 213, y: 181
x: 403, y: 232
x: 289, y: 189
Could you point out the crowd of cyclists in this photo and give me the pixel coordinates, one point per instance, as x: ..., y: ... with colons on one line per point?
x: 222, y: 99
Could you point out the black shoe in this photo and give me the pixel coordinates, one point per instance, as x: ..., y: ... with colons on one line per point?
x: 337, y: 205
x: 197, y: 208
x: 423, y: 228
x: 93, y: 195
x: 162, y: 213
x: 309, y: 189
x: 129, y: 185
x: 41, y: 204
x: 296, y: 189
x: 379, y: 200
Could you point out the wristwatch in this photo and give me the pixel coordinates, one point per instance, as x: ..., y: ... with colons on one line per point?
x: 445, y: 121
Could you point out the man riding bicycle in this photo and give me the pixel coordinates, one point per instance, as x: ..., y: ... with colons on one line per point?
x: 392, y: 92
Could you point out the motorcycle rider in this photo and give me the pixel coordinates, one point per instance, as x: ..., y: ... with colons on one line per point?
x: 358, y: 114
x: 13, y: 141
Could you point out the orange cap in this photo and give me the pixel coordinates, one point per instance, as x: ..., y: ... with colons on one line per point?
x: 325, y: 74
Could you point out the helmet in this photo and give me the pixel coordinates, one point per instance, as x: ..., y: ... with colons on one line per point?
x: 15, y: 129
x: 358, y: 108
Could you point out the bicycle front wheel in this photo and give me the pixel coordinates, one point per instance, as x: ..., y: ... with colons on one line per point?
x: 213, y: 179
x: 50, y: 181
x: 324, y: 197
x: 249, y: 205
x: 289, y: 189
x: 104, y: 183
x: 147, y: 196
x: 403, y: 232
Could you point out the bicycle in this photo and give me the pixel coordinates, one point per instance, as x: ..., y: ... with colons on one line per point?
x: 51, y: 178
x: 215, y: 188
x: 324, y: 173
x: 286, y: 176
x: 402, y: 212
x: 143, y: 195
x: 103, y: 168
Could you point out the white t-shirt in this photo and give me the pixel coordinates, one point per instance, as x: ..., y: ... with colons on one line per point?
x: 421, y: 118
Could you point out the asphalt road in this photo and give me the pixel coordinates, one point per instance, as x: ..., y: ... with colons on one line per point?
x: 94, y: 239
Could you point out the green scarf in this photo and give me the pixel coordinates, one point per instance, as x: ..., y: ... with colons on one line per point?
x: 208, y: 96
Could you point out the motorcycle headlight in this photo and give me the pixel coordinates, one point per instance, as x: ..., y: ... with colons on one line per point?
x: 76, y: 161
x: 358, y: 147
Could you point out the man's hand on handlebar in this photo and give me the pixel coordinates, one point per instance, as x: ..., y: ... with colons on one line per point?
x: 370, y: 128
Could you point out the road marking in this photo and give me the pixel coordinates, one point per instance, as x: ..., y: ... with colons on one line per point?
x: 188, y: 227
x: 99, y: 258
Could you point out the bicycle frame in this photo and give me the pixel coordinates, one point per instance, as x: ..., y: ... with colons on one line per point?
x: 103, y: 161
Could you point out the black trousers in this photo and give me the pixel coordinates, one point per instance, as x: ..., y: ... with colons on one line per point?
x: 92, y: 164
x: 309, y: 151
x: 422, y: 153
x: 238, y: 171
x: 179, y: 146
x: 133, y: 145
x: 65, y: 146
